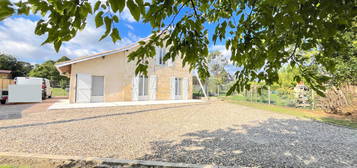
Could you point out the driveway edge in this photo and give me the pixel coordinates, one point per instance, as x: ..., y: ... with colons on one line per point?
x: 45, y: 160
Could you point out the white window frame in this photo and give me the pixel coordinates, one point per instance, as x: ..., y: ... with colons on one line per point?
x: 178, y: 88
x: 161, y: 52
x: 145, y: 81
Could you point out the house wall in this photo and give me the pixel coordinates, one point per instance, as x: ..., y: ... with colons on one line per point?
x: 5, y: 76
x: 118, y: 76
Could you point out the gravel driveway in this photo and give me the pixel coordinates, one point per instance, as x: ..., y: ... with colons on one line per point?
x: 208, y: 133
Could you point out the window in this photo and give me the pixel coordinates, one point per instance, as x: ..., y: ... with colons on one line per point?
x: 161, y: 54
x: 143, y: 86
x: 178, y: 86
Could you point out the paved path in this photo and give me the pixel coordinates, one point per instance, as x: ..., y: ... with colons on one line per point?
x: 64, y: 104
x: 207, y: 133
x: 17, y: 110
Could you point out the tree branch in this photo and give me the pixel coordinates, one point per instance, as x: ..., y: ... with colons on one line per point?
x: 194, y: 8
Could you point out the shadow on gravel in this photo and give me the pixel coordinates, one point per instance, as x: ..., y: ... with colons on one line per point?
x: 272, y: 143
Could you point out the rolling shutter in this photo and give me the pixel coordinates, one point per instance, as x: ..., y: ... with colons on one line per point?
x: 185, y: 88
x: 172, y: 88
x: 157, y: 57
x: 152, y: 87
x: 170, y: 63
x: 135, y: 88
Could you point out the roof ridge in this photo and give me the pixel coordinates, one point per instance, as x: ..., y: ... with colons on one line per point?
x: 87, y: 57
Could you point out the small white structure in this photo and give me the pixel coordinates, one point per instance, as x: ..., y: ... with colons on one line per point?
x: 29, y: 90
x: 25, y: 93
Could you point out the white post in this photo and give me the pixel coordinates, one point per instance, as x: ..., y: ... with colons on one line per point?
x: 199, y: 81
x: 269, y: 94
x: 313, y: 99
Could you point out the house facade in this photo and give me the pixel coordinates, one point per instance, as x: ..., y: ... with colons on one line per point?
x: 5, y: 74
x: 109, y: 77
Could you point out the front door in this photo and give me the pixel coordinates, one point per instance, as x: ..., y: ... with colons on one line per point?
x: 83, y: 88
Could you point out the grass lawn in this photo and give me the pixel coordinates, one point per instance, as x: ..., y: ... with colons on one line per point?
x: 59, y: 92
x: 301, y: 113
x: 9, y: 166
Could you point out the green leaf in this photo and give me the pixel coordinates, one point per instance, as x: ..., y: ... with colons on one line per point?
x: 115, y: 18
x: 98, y: 19
x: 108, y: 26
x: 121, y: 5
x: 134, y: 9
x: 115, y: 35
x: 97, y: 5
x: 5, y: 9
x: 114, y: 4
x: 57, y: 45
x: 108, y: 23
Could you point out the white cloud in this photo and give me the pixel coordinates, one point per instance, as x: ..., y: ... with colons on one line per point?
x: 18, y: 39
x: 126, y: 15
x: 129, y: 26
x: 222, y: 49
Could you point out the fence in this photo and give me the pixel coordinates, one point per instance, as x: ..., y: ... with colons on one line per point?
x: 300, y: 96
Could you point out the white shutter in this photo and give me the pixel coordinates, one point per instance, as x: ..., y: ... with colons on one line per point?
x: 185, y: 88
x: 157, y: 57
x: 135, y: 89
x: 84, y: 88
x: 172, y: 88
x: 152, y: 87
x: 170, y: 62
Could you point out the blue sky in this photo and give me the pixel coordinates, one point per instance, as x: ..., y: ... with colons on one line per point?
x: 18, y: 39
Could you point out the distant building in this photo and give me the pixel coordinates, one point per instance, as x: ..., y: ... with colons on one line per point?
x: 5, y: 74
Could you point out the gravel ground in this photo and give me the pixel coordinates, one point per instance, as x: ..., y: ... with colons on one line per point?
x: 208, y: 133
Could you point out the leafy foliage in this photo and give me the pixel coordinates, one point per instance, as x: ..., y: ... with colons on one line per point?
x: 219, y: 75
x: 346, y: 62
x: 263, y: 35
x: 49, y: 71
x: 18, y: 68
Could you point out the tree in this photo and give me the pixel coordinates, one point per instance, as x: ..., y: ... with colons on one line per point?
x: 18, y: 68
x: 257, y: 32
x: 346, y: 62
x: 341, y: 95
x: 49, y: 71
x: 216, y: 67
x: 62, y: 59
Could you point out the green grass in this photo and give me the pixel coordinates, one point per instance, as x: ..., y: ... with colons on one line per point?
x: 274, y: 99
x: 9, y: 166
x: 301, y: 113
x: 58, y: 92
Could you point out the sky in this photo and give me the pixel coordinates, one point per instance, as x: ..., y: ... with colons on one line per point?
x: 17, y: 38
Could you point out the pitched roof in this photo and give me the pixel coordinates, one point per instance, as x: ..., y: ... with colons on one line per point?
x: 89, y: 57
x: 5, y: 71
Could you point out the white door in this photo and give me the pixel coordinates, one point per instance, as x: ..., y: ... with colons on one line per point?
x: 172, y: 88
x: 143, y: 88
x: 152, y: 85
x: 97, y: 94
x: 84, y: 88
x: 135, y: 88
x: 185, y: 88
